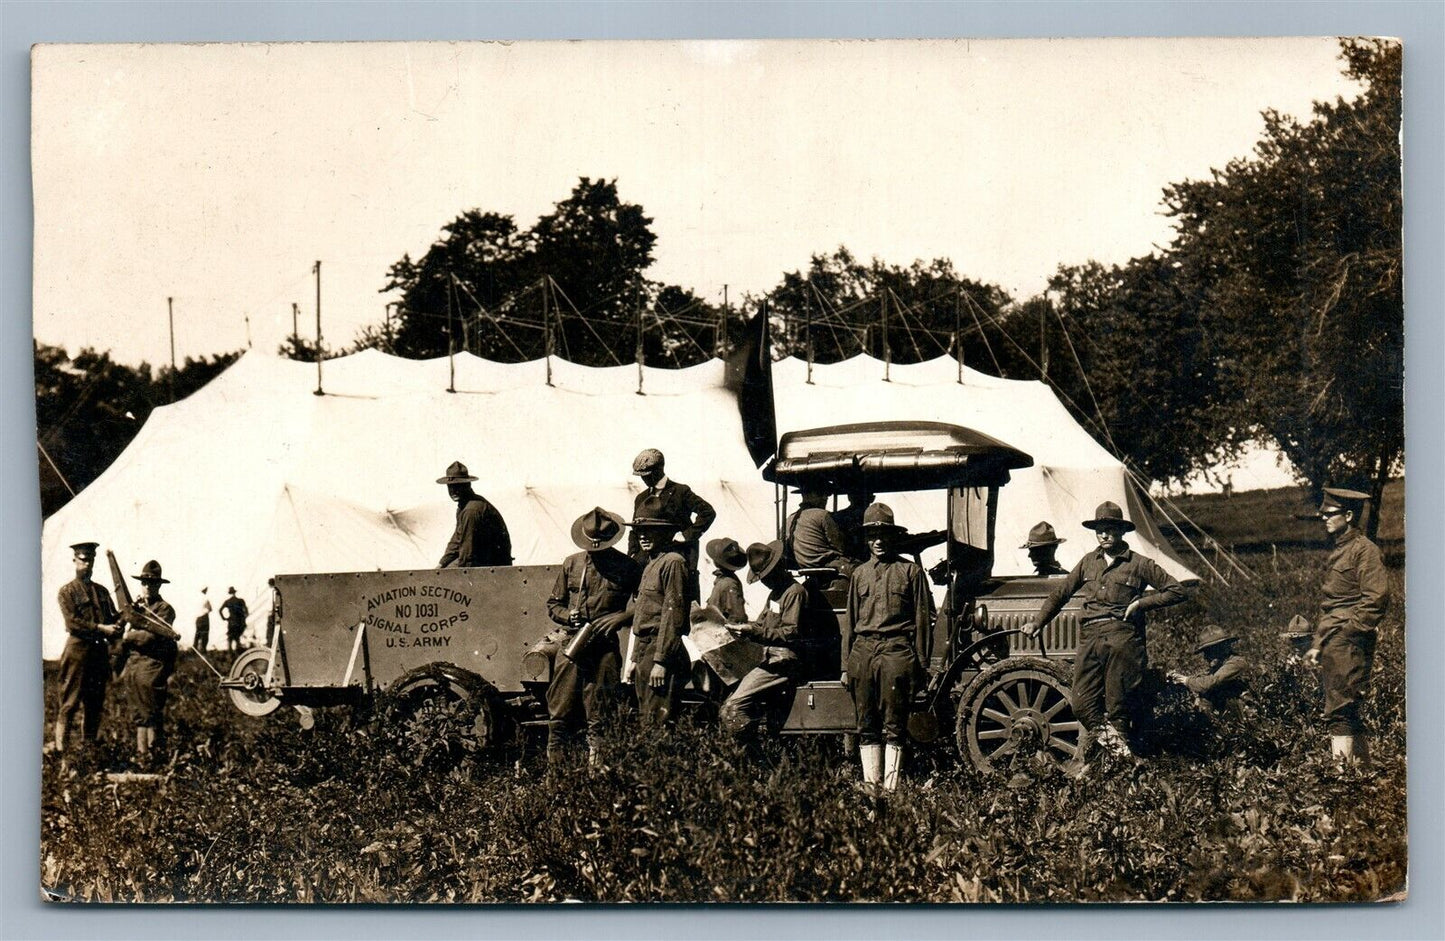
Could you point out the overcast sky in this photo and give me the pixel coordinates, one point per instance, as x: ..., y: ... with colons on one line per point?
x: 217, y: 174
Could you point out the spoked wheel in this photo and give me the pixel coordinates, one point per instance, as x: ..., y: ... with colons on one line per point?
x: 441, y: 713
x: 246, y: 683
x: 1019, y: 709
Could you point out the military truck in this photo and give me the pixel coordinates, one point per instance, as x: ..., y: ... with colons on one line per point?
x: 476, y: 639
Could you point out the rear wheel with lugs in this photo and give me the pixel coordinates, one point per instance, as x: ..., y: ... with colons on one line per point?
x: 441, y: 713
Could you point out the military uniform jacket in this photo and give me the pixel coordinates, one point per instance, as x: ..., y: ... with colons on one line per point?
x: 148, y: 644
x: 1051, y: 567
x: 85, y: 606
x: 1221, y: 684
x: 593, y: 584
x: 481, y: 536
x: 727, y: 596
x: 1109, y: 585
x: 660, y: 612
x: 677, y: 504
x: 814, y: 540
x: 1356, y: 591
x: 890, y: 597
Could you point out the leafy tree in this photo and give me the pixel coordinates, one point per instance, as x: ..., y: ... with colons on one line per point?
x: 1295, y: 254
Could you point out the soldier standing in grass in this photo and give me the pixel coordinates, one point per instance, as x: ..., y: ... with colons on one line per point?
x: 659, y: 620
x: 234, y: 612
x: 203, y: 621
x: 669, y: 500
x: 593, y: 589
x: 150, y: 661
x: 1109, y: 665
x: 727, y: 591
x: 1354, y: 597
x: 885, y: 640
x: 481, y: 536
x: 90, y: 621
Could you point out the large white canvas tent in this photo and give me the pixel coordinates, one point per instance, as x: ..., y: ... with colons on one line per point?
x: 256, y: 475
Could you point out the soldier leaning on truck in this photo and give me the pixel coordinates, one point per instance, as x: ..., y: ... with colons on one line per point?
x: 1109, y: 665
x: 481, y: 536
x: 885, y: 641
x: 91, y: 621
x: 150, y: 661
x: 593, y: 588
x: 659, y: 620
x: 1353, y: 599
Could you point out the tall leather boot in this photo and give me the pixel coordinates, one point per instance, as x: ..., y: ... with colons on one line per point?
x: 872, y: 759
x: 892, y: 765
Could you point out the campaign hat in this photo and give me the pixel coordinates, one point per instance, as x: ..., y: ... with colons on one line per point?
x: 879, y: 516
x: 151, y: 572
x: 648, y: 459
x: 597, y: 529
x: 763, y: 557
x: 726, y: 553
x: 1042, y: 535
x: 1109, y: 514
x: 456, y: 474
x: 1338, y: 499
x: 1212, y: 636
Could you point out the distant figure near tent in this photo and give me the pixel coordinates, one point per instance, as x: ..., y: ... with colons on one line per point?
x: 203, y: 621
x: 669, y: 500
x: 1042, y: 543
x: 234, y: 612
x: 481, y: 536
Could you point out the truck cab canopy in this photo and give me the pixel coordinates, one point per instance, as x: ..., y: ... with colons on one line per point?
x: 890, y: 456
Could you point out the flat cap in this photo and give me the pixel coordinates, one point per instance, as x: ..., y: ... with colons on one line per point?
x: 648, y: 459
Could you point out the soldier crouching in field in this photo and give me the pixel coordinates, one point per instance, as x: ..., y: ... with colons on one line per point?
x: 789, y: 633
x: 150, y: 659
x: 1109, y: 665
x: 1227, y: 673
x: 90, y: 621
x: 886, y: 639
x: 589, y: 601
x: 1354, y: 597
x: 659, y: 620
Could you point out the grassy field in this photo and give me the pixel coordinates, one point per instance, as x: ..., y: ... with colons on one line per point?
x: 1246, y: 807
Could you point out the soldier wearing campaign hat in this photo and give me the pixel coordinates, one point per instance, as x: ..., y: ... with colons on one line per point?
x: 660, y: 619
x: 727, y: 591
x: 590, y: 594
x: 666, y: 499
x: 1227, y: 675
x: 91, y: 620
x: 150, y: 659
x: 890, y: 615
x: 481, y: 536
x: 1042, y: 544
x: 1109, y: 665
x: 1354, y: 597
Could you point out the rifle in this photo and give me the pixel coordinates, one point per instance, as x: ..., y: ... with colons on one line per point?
x: 136, y: 617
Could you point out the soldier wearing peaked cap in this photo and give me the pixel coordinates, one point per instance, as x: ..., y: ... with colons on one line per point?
x: 91, y: 620
x: 590, y: 595
x: 1353, y: 599
x: 659, y: 621
x: 727, y: 591
x: 890, y: 611
x: 1042, y: 544
x: 1110, y: 662
x: 666, y: 499
x: 150, y: 659
x: 481, y: 536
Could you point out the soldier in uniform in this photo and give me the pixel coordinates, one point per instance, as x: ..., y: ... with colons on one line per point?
x: 1110, y: 662
x: 812, y: 538
x: 150, y: 659
x: 1042, y: 544
x: 850, y: 521
x: 727, y: 591
x: 234, y: 612
x: 666, y: 499
x: 481, y: 536
x: 91, y: 621
x: 1227, y: 673
x: 885, y: 641
x: 593, y: 588
x: 659, y: 621
x: 1354, y: 597
x: 203, y: 621
x: 789, y: 636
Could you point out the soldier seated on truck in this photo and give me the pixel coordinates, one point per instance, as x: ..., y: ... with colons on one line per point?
x: 795, y: 636
x: 812, y: 538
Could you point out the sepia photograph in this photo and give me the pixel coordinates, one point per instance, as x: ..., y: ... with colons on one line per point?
x: 735, y: 471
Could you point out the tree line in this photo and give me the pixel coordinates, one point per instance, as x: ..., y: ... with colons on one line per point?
x: 1275, y: 313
